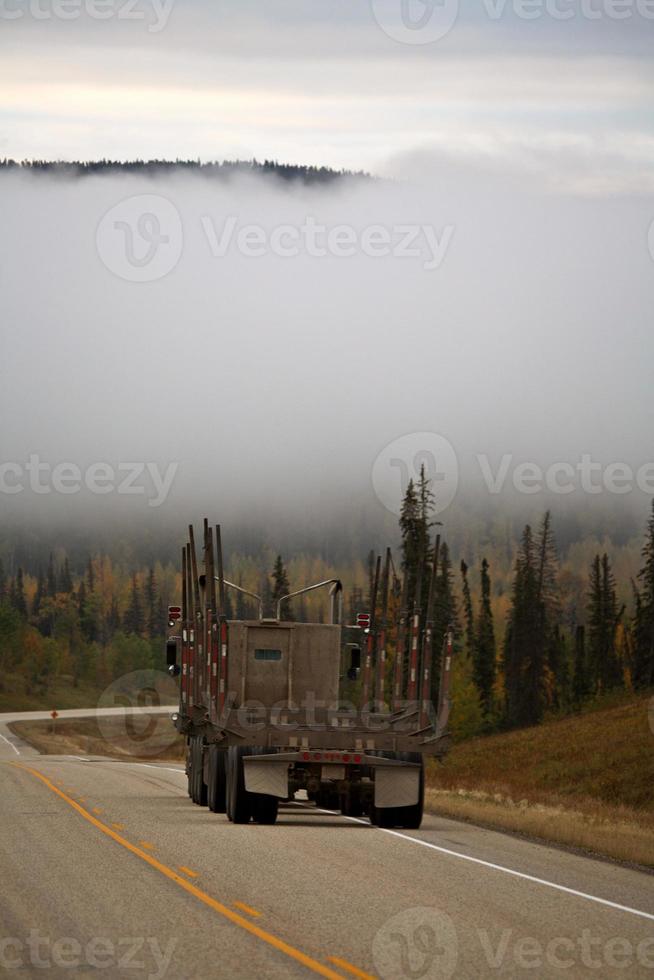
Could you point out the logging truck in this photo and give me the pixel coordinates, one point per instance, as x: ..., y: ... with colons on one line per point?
x: 262, y: 708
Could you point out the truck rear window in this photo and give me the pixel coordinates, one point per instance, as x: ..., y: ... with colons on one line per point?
x: 267, y: 654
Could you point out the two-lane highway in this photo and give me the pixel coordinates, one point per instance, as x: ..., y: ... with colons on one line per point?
x: 108, y: 866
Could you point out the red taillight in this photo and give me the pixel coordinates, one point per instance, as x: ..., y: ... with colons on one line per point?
x: 346, y: 757
x: 317, y: 755
x: 357, y: 758
x: 306, y: 756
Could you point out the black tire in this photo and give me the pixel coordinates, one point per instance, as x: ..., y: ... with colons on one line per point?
x: 264, y: 808
x: 198, y: 785
x: 193, y: 770
x: 217, y: 785
x: 403, y: 817
x: 351, y: 803
x: 328, y: 799
x: 242, y: 806
x: 239, y: 802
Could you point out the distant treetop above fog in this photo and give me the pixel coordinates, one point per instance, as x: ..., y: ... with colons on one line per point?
x: 78, y: 168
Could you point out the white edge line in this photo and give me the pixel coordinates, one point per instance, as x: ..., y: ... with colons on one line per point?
x: 499, y: 867
x: 150, y: 765
x: 10, y: 743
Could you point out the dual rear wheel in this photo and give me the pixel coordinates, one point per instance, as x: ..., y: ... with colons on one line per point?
x: 406, y: 817
x: 216, y: 778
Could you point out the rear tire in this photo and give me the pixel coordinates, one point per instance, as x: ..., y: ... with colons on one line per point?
x: 241, y: 805
x: 403, y: 817
x: 238, y: 803
x: 264, y: 808
x: 198, y: 785
x: 217, y: 786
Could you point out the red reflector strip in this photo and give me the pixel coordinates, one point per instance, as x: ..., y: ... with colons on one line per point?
x: 331, y: 757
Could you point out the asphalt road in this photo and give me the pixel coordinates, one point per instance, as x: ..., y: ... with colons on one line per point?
x: 108, y: 869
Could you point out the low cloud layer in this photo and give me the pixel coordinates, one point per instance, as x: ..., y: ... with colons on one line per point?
x: 254, y: 347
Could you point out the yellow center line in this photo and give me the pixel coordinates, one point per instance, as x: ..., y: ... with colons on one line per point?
x: 354, y: 970
x: 267, y: 937
x: 247, y: 908
x: 187, y: 871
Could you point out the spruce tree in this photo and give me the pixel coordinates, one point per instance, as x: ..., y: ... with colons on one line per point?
x: 133, y: 622
x: 114, y: 622
x: 66, y: 579
x: 281, y: 588
x: 415, y: 539
x: 445, y: 614
x: 580, y: 678
x: 17, y: 595
x: 523, y: 645
x: 605, y: 670
x: 90, y: 576
x: 484, y: 652
x: 468, y: 612
x: 39, y: 595
x: 52, y: 577
x: 151, y: 616
x: 643, y: 624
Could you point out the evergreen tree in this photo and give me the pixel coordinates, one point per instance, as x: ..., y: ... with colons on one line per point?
x: 153, y: 627
x: 445, y: 613
x: 643, y: 624
x: 114, y: 622
x: 523, y: 645
x: 66, y: 579
x: 605, y: 670
x: 52, y: 577
x: 468, y: 612
x: 281, y: 588
x: 484, y: 652
x: 39, y: 595
x: 415, y: 523
x: 90, y: 576
x: 580, y: 679
x: 134, y: 620
x: 17, y: 595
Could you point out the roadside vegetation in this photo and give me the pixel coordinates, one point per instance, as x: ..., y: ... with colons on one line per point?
x: 584, y: 781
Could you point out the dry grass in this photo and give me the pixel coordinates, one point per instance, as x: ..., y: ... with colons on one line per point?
x: 585, y: 781
x: 149, y: 737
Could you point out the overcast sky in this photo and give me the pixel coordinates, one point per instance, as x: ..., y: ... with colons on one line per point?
x: 137, y: 327
x: 339, y: 82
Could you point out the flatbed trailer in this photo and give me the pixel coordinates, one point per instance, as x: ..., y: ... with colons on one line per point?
x: 262, y: 710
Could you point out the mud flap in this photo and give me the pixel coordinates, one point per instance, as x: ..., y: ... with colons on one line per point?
x: 264, y: 775
x: 397, y: 786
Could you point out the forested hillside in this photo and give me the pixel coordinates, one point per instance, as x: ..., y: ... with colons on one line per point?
x: 537, y: 632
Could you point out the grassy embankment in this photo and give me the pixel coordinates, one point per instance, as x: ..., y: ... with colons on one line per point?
x: 584, y: 781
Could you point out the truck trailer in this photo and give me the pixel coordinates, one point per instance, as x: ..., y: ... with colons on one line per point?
x: 262, y: 707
